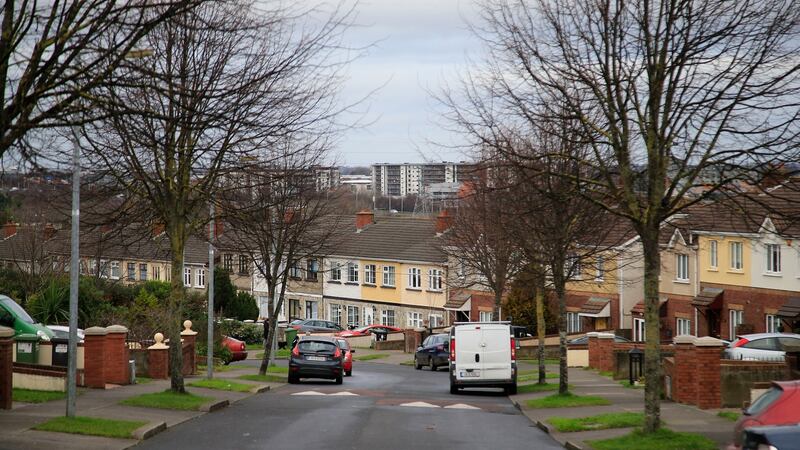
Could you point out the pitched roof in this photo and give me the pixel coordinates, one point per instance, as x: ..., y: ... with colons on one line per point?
x: 394, y: 237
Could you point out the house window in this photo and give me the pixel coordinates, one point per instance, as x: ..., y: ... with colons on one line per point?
x: 434, y: 279
x: 736, y: 319
x: 638, y: 330
x: 484, y: 316
x: 414, y: 278
x: 682, y: 267
x: 435, y: 320
x: 312, y: 267
x: 311, y: 310
x: 115, y: 271
x: 336, y: 272
x: 143, y: 272
x: 736, y: 255
x: 773, y: 323
x: 599, y: 267
x: 156, y: 272
x: 387, y: 317
x: 353, y: 319
x: 200, y: 278
x: 388, y: 276
x: 461, y: 270
x: 103, y: 269
x: 712, y: 254
x: 773, y: 258
x: 369, y: 273
x: 683, y: 326
x: 574, y: 323
x: 227, y: 262
x: 573, y: 267
x: 187, y: 276
x: 335, y: 314
x: 352, y: 273
x: 294, y: 308
x: 414, y: 319
x: 244, y: 265
x: 294, y: 271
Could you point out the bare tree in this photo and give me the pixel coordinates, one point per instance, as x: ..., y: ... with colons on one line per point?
x: 226, y: 83
x: 677, y: 100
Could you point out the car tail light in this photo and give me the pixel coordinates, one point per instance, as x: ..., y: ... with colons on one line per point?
x: 452, y: 349
x: 243, y: 346
x: 740, y: 342
x: 296, y: 350
x: 337, y: 353
x: 296, y: 327
x: 513, y: 350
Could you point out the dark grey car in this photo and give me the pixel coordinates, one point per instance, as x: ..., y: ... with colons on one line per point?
x: 434, y: 352
x: 314, y: 325
x: 316, y: 357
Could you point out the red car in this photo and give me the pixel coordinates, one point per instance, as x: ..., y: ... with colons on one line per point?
x: 777, y: 406
x: 238, y: 348
x: 347, y: 362
x: 365, y: 331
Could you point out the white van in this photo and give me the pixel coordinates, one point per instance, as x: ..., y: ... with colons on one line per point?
x: 482, y: 354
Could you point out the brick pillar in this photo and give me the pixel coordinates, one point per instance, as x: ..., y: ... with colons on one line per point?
x: 158, y: 358
x: 6, y: 366
x: 189, y: 339
x: 684, y: 385
x: 94, y: 357
x: 707, y: 355
x: 605, y: 345
x: 594, y: 350
x: 117, y: 367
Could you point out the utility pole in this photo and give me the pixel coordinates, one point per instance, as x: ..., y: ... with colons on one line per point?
x: 74, y: 273
x: 210, y: 329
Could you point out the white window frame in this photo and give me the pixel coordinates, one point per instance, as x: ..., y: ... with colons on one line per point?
x: 187, y: 276
x: 294, y: 270
x: 735, y: 318
x: 599, y: 268
x: 639, y: 330
x: 736, y: 249
x: 681, y: 267
x: 385, y: 316
x: 227, y: 262
x: 435, y: 320
x: 369, y: 273
x: 335, y: 313
x: 574, y: 323
x: 336, y: 272
x: 129, y: 272
x: 772, y: 323
x: 143, y: 278
x: 683, y: 326
x: 388, y: 276
x: 352, y: 273
x: 200, y: 278
x: 773, y: 256
x: 115, y: 270
x: 414, y: 278
x: 414, y: 319
x: 484, y: 316
x: 353, y: 316
x: 713, y: 254
x: 157, y: 272
x: 434, y: 280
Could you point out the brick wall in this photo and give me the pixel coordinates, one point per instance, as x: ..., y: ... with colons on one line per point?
x: 6, y: 366
x: 707, y: 376
x: 755, y: 303
x: 684, y: 387
x: 94, y: 359
x: 605, y: 348
x: 117, y: 356
x: 158, y: 363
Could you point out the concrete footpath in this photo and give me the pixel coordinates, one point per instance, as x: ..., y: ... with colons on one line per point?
x: 675, y: 416
x: 16, y: 424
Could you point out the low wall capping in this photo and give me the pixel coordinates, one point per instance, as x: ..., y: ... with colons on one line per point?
x: 95, y: 331
x: 684, y: 339
x: 116, y: 329
x: 708, y: 341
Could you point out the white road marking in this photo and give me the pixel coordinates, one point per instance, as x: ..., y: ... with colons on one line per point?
x: 460, y: 406
x: 308, y: 393
x: 345, y: 393
x: 419, y: 405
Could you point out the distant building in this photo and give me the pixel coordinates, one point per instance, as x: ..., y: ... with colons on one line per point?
x: 404, y: 179
x: 357, y: 183
x: 327, y: 178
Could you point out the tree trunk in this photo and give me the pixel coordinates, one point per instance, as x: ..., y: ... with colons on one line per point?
x: 563, y: 376
x: 177, y: 239
x: 540, y: 331
x: 273, y: 323
x: 498, y: 298
x: 652, y: 349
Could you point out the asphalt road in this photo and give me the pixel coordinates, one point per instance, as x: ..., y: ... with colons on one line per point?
x: 394, y: 407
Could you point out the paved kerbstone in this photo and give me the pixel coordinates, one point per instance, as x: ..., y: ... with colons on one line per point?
x: 149, y: 430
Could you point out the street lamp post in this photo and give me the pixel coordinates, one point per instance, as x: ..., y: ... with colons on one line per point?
x: 74, y: 273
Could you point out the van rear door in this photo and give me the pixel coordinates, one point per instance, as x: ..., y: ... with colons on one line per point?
x: 483, y: 352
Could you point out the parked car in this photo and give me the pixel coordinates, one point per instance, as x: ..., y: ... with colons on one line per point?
x: 315, y: 325
x: 777, y: 406
x: 238, y: 348
x: 347, y: 362
x: 316, y: 357
x: 483, y: 355
x: 62, y: 332
x: 14, y: 316
x: 376, y: 329
x: 771, y: 438
x: 585, y: 340
x: 434, y: 352
x: 761, y: 346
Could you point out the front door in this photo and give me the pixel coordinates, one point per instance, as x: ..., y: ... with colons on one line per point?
x: 311, y: 309
x: 369, y: 315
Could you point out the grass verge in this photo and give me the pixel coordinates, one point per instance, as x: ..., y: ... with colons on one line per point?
x: 598, y: 422
x: 277, y: 369
x: 627, y: 384
x: 201, y: 368
x: 91, y: 426
x: 167, y: 400
x: 410, y: 362
x: 32, y: 396
x: 263, y: 378
x: 222, y: 385
x: 663, y: 439
x: 549, y: 361
x: 371, y: 357
x: 530, y: 388
x: 732, y: 416
x: 143, y: 380
x: 568, y: 400
x: 532, y: 376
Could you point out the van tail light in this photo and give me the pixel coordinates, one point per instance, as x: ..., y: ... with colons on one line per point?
x: 452, y: 349
x: 296, y: 350
x: 513, y: 350
x: 338, y: 353
x: 740, y: 342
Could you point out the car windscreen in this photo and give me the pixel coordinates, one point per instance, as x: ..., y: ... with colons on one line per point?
x: 764, y: 401
x: 316, y: 346
x: 16, y: 310
x: 342, y: 344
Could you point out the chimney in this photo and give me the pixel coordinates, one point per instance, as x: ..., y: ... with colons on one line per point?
x: 9, y: 229
x: 443, y: 222
x: 219, y: 228
x: 363, y: 218
x: 49, y: 231
x: 158, y: 229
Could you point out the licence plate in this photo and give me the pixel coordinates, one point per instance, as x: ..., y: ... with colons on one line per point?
x: 474, y: 373
x: 316, y: 358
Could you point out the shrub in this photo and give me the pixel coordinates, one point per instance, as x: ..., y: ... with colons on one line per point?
x: 51, y: 304
x: 243, y: 307
x: 250, y: 333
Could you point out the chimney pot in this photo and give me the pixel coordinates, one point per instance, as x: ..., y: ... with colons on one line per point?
x: 443, y: 221
x: 363, y: 218
x: 9, y: 229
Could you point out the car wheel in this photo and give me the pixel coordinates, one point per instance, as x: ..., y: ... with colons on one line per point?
x: 511, y: 389
x: 453, y: 389
x: 432, y: 365
x: 339, y: 379
x: 349, y: 373
x: 417, y: 365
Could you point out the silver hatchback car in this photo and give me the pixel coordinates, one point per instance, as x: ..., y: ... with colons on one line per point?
x: 762, y: 346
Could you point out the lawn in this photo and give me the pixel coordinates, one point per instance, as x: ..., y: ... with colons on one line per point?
x: 31, y: 396
x: 168, y: 400
x: 282, y: 353
x: 529, y: 388
x: 277, y: 369
x: 222, y: 385
x: 91, y: 426
x: 732, y: 416
x: 663, y: 439
x: 264, y: 378
x: 599, y: 422
x: 546, y: 361
x: 567, y: 400
x: 201, y: 368
x: 527, y: 375
x: 371, y: 357
x: 143, y: 380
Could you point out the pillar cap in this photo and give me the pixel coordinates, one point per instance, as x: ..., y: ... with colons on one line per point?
x: 116, y: 329
x: 159, y: 345
x: 95, y: 331
x: 6, y: 332
x: 684, y: 339
x: 187, y: 329
x: 592, y: 334
x: 605, y: 335
x: 708, y: 341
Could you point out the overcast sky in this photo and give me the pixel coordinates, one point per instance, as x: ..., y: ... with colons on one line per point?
x: 419, y: 44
